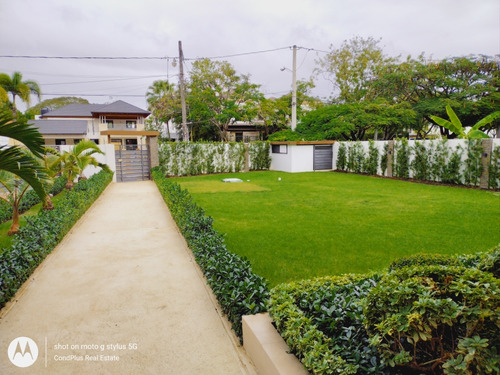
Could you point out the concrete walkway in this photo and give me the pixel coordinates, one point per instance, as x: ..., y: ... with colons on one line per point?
x: 121, y: 295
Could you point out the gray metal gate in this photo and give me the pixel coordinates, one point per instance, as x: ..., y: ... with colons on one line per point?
x: 323, y: 157
x: 132, y: 164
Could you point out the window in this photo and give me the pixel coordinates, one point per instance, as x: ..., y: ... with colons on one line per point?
x: 239, y: 137
x: 110, y: 124
x: 96, y: 141
x: 279, y: 149
x: 60, y: 142
x: 77, y: 140
x: 131, y: 124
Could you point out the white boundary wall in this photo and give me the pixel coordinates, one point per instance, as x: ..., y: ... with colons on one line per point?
x: 107, y: 158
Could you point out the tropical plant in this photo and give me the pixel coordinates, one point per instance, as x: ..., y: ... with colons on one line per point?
x: 12, y: 191
x: 75, y: 161
x: 18, y: 88
x: 455, y: 125
x: 13, y: 159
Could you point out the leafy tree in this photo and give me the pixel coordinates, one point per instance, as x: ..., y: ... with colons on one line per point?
x: 218, y: 97
x: 13, y: 159
x: 354, y: 121
x: 164, y: 105
x: 75, y: 161
x: 351, y: 67
x: 276, y: 112
x: 467, y: 84
x: 53, y: 104
x: 455, y: 125
x: 18, y: 88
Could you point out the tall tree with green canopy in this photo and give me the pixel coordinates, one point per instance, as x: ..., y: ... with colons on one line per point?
x: 13, y: 159
x: 164, y: 104
x: 218, y: 97
x: 351, y: 67
x: 275, y: 113
x: 468, y: 84
x: 18, y: 88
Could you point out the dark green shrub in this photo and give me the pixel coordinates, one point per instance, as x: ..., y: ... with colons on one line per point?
x: 494, y: 169
x: 401, y: 159
x: 322, y: 322
x: 426, y: 318
x: 238, y: 290
x: 424, y: 260
x: 420, y: 164
x: 43, y: 232
x: 473, y: 164
x: 342, y: 157
x: 371, y: 162
x: 260, y: 158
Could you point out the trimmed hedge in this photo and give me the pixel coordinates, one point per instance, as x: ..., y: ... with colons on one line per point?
x: 427, y: 314
x: 238, y: 290
x: 43, y: 232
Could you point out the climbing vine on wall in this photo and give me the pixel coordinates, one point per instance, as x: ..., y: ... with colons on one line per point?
x: 189, y: 159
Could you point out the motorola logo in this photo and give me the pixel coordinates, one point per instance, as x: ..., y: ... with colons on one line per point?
x: 23, y: 352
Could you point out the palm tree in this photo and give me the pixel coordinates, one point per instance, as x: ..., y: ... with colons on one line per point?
x: 157, y: 90
x: 12, y: 191
x: 13, y: 159
x: 75, y: 161
x: 50, y: 160
x: 17, y: 87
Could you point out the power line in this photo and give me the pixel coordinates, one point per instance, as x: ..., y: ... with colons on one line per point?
x: 67, y: 94
x: 101, y: 80
x: 153, y: 57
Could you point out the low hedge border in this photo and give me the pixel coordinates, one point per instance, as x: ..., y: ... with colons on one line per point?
x: 43, y: 232
x: 319, y: 323
x: 239, y: 291
x: 335, y: 325
x: 30, y: 199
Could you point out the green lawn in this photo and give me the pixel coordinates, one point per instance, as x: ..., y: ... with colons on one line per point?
x: 315, y: 224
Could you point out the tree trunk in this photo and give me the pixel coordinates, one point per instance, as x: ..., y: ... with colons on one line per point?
x: 15, y: 221
x: 48, y: 204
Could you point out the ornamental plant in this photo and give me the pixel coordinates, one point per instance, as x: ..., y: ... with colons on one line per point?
x: 435, y: 319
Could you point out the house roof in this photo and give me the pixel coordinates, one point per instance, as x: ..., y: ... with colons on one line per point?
x: 91, y: 110
x: 71, y: 127
x: 121, y: 107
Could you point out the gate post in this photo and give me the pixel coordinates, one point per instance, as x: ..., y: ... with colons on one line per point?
x: 152, y: 143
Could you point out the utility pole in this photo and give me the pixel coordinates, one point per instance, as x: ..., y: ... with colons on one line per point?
x: 185, y: 131
x: 294, y: 89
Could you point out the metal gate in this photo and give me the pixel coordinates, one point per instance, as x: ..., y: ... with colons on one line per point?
x: 132, y: 164
x: 323, y: 157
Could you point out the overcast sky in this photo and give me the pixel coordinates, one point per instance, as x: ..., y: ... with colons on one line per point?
x: 208, y: 28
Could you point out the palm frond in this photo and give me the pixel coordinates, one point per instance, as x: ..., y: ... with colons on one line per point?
x: 20, y: 130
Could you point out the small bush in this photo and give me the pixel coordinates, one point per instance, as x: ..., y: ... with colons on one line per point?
x: 238, y: 290
x: 424, y: 318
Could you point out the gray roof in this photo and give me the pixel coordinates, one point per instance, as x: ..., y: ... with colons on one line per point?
x: 88, y: 110
x: 74, y: 110
x: 48, y: 127
x: 121, y: 107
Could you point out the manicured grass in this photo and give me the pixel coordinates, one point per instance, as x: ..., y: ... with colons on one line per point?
x: 315, y: 224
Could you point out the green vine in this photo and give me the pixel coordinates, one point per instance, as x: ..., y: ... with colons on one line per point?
x: 401, y: 161
x: 473, y: 165
x: 342, y: 157
x: 494, y: 169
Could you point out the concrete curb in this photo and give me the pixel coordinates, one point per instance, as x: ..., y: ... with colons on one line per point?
x: 267, y: 349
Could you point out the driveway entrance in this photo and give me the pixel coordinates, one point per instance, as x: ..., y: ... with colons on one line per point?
x: 132, y: 164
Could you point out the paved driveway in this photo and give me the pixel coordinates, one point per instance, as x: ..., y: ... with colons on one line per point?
x: 120, y: 295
